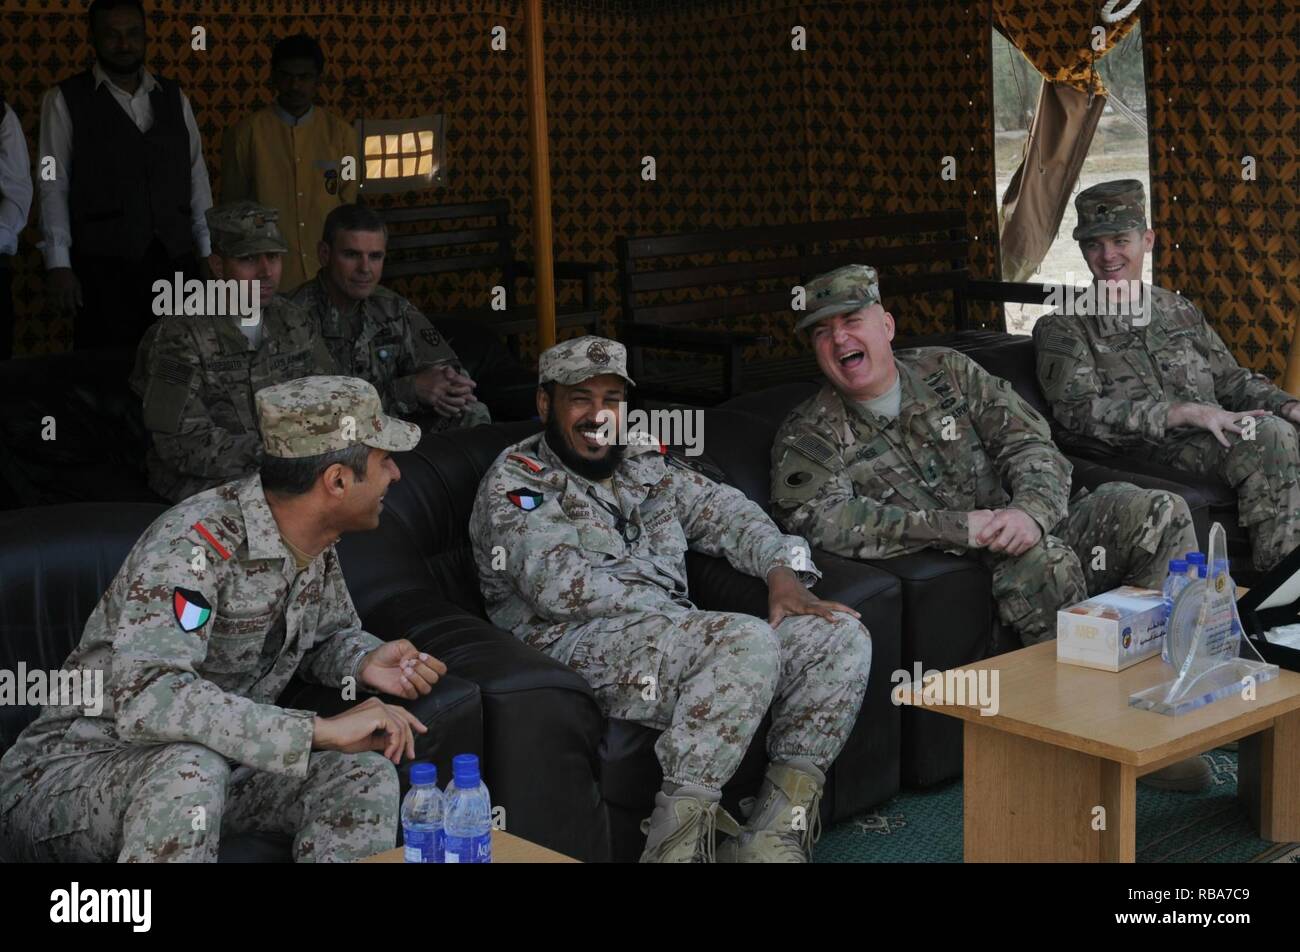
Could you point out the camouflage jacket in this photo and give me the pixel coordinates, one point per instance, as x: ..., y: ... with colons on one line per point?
x: 549, y: 554
x: 384, y: 339
x: 198, y: 376
x: 864, y: 486
x: 216, y: 683
x: 1111, y: 384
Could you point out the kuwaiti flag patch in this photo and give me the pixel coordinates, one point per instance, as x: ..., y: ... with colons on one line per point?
x: 191, y: 608
x: 525, y: 500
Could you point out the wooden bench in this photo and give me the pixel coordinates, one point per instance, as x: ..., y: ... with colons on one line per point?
x: 477, y: 236
x: 671, y: 284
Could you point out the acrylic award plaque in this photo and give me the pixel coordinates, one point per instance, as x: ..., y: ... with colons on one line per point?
x: 1205, y: 644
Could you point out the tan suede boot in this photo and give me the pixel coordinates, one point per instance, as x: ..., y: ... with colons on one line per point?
x: 786, y: 820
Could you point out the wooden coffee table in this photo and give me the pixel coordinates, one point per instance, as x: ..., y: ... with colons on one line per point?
x: 505, y: 849
x: 1065, y: 741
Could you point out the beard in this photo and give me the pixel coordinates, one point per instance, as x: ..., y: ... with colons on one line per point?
x: 592, y: 469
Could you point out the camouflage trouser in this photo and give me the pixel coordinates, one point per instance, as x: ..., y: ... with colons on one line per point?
x: 473, y: 415
x: 172, y: 803
x: 1263, y: 471
x: 707, y: 678
x: 1118, y: 534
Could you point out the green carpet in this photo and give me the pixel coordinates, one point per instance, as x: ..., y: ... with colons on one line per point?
x: 925, y: 826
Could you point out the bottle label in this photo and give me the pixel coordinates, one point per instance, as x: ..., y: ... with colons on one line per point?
x: 469, y: 849
x: 422, y: 846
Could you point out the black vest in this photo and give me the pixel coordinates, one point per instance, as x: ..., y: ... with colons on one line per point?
x: 126, y: 186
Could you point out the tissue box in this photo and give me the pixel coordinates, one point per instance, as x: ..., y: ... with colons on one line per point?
x: 1113, y: 630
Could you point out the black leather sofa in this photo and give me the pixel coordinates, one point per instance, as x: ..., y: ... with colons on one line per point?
x: 56, y: 561
x: 567, y: 777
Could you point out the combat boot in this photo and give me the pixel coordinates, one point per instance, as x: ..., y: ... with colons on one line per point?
x: 684, y: 826
x: 786, y: 819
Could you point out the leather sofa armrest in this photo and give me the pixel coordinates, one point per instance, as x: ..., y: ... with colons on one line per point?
x: 542, y: 727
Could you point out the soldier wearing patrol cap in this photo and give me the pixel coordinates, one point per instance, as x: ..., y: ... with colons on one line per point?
x: 221, y: 601
x: 197, y: 373
x: 1147, y: 376
x: 378, y: 335
x: 922, y: 449
x: 594, y: 539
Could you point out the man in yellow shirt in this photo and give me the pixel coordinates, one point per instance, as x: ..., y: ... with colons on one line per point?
x: 289, y: 156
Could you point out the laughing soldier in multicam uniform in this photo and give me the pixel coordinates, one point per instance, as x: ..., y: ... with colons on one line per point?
x: 923, y: 449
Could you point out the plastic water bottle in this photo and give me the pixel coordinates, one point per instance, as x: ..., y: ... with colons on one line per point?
x: 422, y: 830
x: 469, y: 814
x: 1175, y: 582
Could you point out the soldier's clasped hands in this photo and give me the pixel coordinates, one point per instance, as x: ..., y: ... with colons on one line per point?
x: 1011, y: 531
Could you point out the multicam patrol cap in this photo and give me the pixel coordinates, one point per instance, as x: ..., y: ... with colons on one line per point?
x: 841, y: 291
x: 314, y: 415
x: 571, y: 362
x: 1110, y: 208
x: 244, y: 228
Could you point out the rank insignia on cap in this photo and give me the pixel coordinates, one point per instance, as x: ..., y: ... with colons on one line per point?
x: 191, y: 608
x: 530, y: 464
x: 525, y: 500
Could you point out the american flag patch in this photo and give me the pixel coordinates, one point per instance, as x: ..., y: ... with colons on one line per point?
x: 1059, y: 342
x: 173, y: 371
x: 815, y: 448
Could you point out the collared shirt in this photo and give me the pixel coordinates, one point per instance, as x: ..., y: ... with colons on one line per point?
x: 15, y: 182
x: 288, y: 118
x: 209, y: 673
x: 566, y: 562
x: 56, y: 141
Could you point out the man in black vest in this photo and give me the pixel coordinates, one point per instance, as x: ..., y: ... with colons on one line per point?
x: 15, y: 203
x: 126, y: 204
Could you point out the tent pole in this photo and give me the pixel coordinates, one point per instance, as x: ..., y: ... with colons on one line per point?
x: 539, y: 140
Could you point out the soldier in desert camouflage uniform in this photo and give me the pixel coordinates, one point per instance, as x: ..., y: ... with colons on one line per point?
x: 580, y: 549
x: 378, y: 335
x: 197, y: 373
x: 219, y: 603
x: 923, y: 449
x: 1149, y: 377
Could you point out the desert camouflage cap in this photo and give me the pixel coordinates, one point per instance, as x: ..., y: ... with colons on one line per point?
x: 573, y: 361
x: 1110, y: 208
x: 244, y: 228
x: 841, y: 291
x: 314, y: 415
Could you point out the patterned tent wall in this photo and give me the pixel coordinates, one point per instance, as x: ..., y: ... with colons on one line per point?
x: 745, y: 130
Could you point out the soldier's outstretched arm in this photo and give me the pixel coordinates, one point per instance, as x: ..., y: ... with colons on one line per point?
x: 544, y: 557
x: 158, y: 696
x: 720, y: 520
x: 175, y: 412
x: 1067, y: 374
x: 815, y: 498
x: 1020, y: 442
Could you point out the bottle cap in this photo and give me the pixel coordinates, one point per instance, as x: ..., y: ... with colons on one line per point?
x: 1177, y: 566
x: 464, y: 768
x: 1196, y: 558
x: 423, y: 774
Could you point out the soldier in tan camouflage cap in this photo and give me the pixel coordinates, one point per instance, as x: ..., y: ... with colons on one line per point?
x: 222, y: 601
x: 595, y: 539
x: 1148, y: 376
x: 197, y: 373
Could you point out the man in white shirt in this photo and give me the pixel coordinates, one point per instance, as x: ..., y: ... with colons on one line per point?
x: 126, y: 205
x: 15, y: 203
